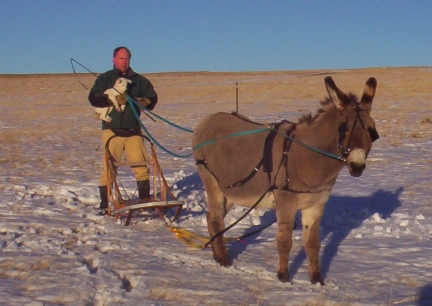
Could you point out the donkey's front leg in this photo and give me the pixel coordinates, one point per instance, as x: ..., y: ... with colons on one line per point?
x: 311, y: 218
x: 285, y: 214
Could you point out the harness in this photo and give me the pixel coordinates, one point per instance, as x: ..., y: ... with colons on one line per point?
x: 267, y: 163
x: 343, y: 128
x: 267, y: 159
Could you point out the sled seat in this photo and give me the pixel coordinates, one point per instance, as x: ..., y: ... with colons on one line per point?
x: 160, y: 207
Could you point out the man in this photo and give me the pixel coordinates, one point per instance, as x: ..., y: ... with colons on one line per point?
x: 124, y: 123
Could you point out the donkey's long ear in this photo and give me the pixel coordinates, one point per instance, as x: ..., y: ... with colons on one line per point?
x: 335, y: 93
x: 368, y: 94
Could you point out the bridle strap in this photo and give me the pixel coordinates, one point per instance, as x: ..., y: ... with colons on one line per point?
x: 345, y: 151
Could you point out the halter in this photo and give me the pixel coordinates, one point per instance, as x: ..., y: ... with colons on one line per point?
x: 343, y: 130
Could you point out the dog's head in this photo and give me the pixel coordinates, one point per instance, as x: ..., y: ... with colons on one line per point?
x: 121, y: 85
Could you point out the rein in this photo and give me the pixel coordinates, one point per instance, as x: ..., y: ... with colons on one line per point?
x: 132, y: 102
x: 214, y: 140
x: 220, y: 233
x: 72, y: 61
x: 73, y: 68
x: 328, y: 154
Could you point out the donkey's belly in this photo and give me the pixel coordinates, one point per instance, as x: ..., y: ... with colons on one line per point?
x: 267, y: 201
x: 299, y: 201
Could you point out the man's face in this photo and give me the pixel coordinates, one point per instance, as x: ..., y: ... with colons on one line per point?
x: 122, y: 60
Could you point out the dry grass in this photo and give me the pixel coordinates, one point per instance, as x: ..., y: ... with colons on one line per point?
x: 50, y: 111
x: 395, y: 84
x: 16, y: 269
x: 427, y: 120
x: 51, y: 105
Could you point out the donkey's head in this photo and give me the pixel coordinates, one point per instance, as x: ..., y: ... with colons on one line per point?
x: 357, y: 129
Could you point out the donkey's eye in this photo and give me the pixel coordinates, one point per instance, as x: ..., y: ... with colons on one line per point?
x: 373, y: 134
x: 343, y: 128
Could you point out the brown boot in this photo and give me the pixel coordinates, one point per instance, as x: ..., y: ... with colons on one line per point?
x: 143, y: 189
x: 103, y: 192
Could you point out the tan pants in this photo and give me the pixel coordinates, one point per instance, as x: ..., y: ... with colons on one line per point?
x: 135, y: 152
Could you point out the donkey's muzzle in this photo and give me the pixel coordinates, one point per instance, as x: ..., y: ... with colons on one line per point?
x: 356, y: 169
x: 356, y: 162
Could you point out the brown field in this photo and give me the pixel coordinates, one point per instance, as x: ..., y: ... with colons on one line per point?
x: 278, y: 87
x: 52, y: 110
x: 50, y: 106
x: 402, y: 92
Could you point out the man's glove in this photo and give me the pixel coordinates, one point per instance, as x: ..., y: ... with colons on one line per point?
x: 143, y: 101
x: 121, y: 99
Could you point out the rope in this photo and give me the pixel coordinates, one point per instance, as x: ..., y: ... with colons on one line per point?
x: 163, y: 119
x: 131, y: 103
x: 242, y: 133
x: 208, y: 142
x: 211, y: 141
x: 201, y: 242
x: 73, y: 69
x: 331, y: 155
x: 238, y: 220
x: 184, y: 235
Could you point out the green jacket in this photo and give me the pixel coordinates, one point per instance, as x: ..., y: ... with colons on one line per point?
x: 139, y: 88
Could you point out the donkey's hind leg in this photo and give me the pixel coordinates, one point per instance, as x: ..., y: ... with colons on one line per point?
x: 217, y: 208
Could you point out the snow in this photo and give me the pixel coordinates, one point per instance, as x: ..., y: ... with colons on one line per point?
x: 55, y: 250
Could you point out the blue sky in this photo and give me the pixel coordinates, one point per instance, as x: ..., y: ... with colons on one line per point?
x: 220, y: 35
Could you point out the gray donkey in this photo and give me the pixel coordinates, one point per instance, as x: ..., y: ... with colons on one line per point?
x: 284, y: 166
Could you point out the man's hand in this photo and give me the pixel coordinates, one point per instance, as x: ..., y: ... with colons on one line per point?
x: 121, y: 99
x: 143, y: 101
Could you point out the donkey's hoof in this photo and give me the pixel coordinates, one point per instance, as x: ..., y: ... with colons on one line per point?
x: 283, y: 276
x: 223, y: 261
x: 316, y: 278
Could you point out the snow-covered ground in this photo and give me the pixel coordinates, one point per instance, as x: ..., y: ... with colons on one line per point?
x: 55, y: 250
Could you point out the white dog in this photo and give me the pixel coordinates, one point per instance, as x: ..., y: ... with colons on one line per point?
x: 118, y: 89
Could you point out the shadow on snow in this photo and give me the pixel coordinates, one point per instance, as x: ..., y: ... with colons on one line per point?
x: 342, y: 214
x: 425, y: 296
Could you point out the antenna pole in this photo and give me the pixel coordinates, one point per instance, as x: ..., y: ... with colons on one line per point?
x: 236, y: 97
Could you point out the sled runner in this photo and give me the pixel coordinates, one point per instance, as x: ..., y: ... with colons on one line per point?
x: 123, y: 206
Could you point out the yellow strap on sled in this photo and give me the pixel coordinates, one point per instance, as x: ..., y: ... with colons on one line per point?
x: 192, y: 239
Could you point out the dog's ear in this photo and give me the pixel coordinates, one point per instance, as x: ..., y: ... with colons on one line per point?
x: 121, y: 99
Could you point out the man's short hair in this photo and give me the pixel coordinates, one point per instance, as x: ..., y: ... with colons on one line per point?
x: 116, y: 50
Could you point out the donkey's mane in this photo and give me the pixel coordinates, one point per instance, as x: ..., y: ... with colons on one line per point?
x: 309, y: 118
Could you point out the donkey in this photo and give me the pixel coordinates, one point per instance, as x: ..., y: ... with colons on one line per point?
x: 284, y: 166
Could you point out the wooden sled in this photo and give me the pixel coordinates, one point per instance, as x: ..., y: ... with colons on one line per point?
x: 160, y: 200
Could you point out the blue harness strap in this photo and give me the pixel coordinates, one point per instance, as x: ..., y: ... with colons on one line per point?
x: 242, y: 133
x: 132, y: 102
